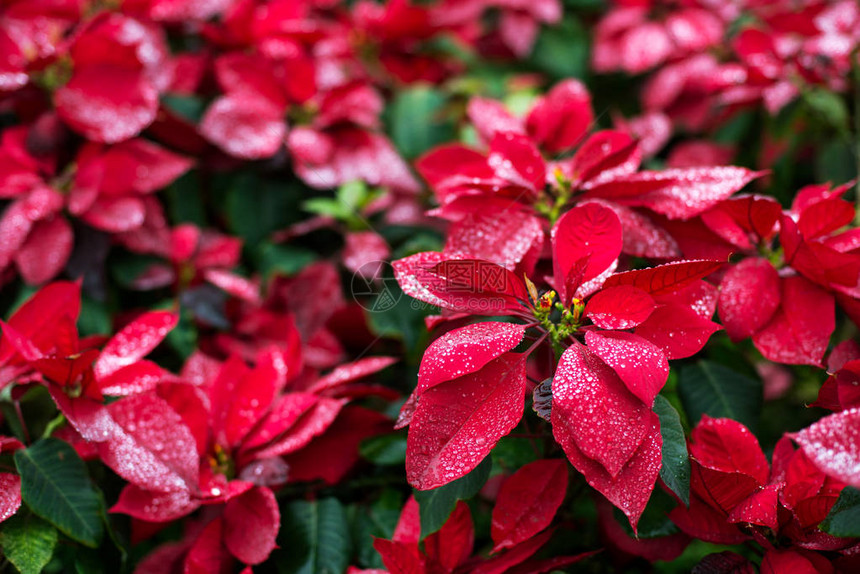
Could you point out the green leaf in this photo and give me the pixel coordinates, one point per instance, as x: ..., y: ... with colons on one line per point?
x: 390, y: 313
x: 125, y: 268
x: 835, y: 161
x: 353, y: 195
x: 584, y: 5
x: 90, y: 562
x: 376, y: 520
x: 735, y: 129
x: 562, y: 50
x: 10, y: 417
x: 385, y: 450
x: 511, y: 453
x: 185, y: 200
x: 412, y: 240
x: 189, y: 107
x: 183, y: 337
x: 28, y: 542
x: 256, y: 207
x: 435, y: 506
x: 24, y: 293
x: 654, y: 522
x: 829, y: 106
x: 55, y: 485
x: 417, y: 121
x: 712, y: 389
x: 315, y: 536
x: 286, y: 259
x: 519, y: 103
x: 844, y: 518
x: 675, y: 470
x: 327, y: 206
x: 94, y: 318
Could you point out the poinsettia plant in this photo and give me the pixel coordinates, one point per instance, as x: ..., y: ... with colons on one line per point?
x: 429, y: 286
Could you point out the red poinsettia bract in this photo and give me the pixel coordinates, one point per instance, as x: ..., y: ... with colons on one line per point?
x: 614, y: 334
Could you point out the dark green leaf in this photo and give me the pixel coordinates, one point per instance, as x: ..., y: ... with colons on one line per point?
x: 28, y: 542
x: 675, y: 471
x: 593, y: 5
x: 392, y: 314
x: 408, y: 240
x: 435, y: 506
x: 654, y: 522
x: 844, y: 518
x: 257, y: 207
x: 21, y: 297
x: 378, y: 520
x: 315, y: 538
x: 55, y: 485
x: 285, y: 259
x: 416, y: 242
x: 94, y: 318
x: 736, y: 128
x: 183, y: 337
x: 562, y: 50
x: 188, y: 107
x: 835, y: 161
x: 90, y: 562
x: 10, y: 417
x: 385, y: 450
x: 417, y: 121
x: 127, y: 267
x: 512, y: 453
x: 829, y: 106
x: 185, y: 200
x: 712, y: 389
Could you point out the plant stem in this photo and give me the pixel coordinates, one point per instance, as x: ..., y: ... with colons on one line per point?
x: 54, y: 424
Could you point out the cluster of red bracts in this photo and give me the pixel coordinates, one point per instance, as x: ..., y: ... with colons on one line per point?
x: 616, y: 345
x: 294, y: 77
x: 544, y: 242
x: 597, y: 273
x: 88, y: 84
x: 219, y: 434
x: 777, y: 51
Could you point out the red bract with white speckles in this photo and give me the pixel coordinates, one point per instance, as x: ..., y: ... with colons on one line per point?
x: 10, y: 501
x: 250, y: 419
x: 514, y: 179
x: 833, y: 445
x: 606, y: 378
x: 786, y: 301
x: 734, y: 493
x: 75, y: 372
x: 106, y: 188
x: 457, y: 423
x: 629, y: 38
x: 113, y: 90
x: 218, y: 189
